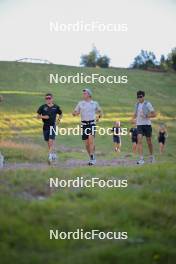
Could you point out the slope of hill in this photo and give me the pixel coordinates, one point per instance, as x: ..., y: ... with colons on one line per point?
x: 29, y: 208
x: 23, y: 86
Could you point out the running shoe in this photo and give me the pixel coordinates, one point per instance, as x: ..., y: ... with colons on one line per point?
x: 140, y: 162
x: 151, y: 159
x: 50, y: 158
x: 54, y: 156
x: 92, y: 161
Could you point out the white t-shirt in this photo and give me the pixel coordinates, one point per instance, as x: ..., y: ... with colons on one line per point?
x: 142, y: 120
x: 87, y: 110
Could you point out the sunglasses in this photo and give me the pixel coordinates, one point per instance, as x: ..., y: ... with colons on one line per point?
x: 48, y: 98
x: 140, y: 96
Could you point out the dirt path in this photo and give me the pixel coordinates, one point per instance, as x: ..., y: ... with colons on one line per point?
x: 71, y: 163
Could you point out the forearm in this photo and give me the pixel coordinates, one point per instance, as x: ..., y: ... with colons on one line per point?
x: 42, y: 116
x: 75, y: 113
x: 60, y: 117
x: 151, y: 115
x: 134, y: 117
x: 100, y: 113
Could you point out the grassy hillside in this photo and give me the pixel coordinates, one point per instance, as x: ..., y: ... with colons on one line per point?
x: 23, y: 86
x: 29, y: 208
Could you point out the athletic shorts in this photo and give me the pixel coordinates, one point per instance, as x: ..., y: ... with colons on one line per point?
x: 145, y: 130
x: 46, y: 134
x: 162, y: 140
x: 116, y: 139
x: 87, y: 130
x: 134, y: 140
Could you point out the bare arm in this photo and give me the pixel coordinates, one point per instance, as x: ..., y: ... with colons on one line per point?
x: 76, y: 110
x: 75, y: 113
x: 59, y: 117
x: 42, y: 116
x: 99, y: 114
x: 133, y: 118
x: 151, y: 114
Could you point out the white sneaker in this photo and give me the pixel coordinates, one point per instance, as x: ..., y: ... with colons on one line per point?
x: 92, y: 161
x: 50, y: 158
x: 151, y: 159
x: 54, y: 156
x: 140, y: 162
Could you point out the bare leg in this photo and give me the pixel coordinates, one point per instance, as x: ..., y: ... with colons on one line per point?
x: 117, y: 147
x: 150, y: 145
x: 87, y: 146
x: 134, y: 148
x: 50, y: 145
x: 140, y: 149
x: 161, y: 148
x: 91, y: 144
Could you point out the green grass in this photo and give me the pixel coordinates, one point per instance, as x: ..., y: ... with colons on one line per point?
x: 146, y: 209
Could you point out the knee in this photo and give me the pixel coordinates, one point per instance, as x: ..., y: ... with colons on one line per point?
x: 91, y: 141
x: 139, y: 140
x: 149, y: 141
x: 50, y: 143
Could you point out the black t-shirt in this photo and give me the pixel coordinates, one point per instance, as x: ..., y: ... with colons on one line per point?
x: 51, y: 111
x: 133, y: 132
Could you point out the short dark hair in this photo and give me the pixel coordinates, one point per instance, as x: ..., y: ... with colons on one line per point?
x: 49, y: 94
x: 140, y: 93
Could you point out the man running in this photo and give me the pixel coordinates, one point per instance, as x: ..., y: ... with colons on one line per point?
x: 143, y: 112
x: 48, y: 113
x: 88, y: 110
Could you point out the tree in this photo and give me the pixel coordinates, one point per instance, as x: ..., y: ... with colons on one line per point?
x: 145, y: 59
x: 94, y: 59
x: 103, y: 62
x: 163, y: 63
x: 90, y: 59
x: 162, y: 59
x: 172, y: 59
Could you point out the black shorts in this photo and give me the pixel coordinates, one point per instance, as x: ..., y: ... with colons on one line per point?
x: 87, y: 130
x: 46, y: 133
x: 162, y: 140
x: 145, y: 130
x: 134, y: 140
x: 116, y: 139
